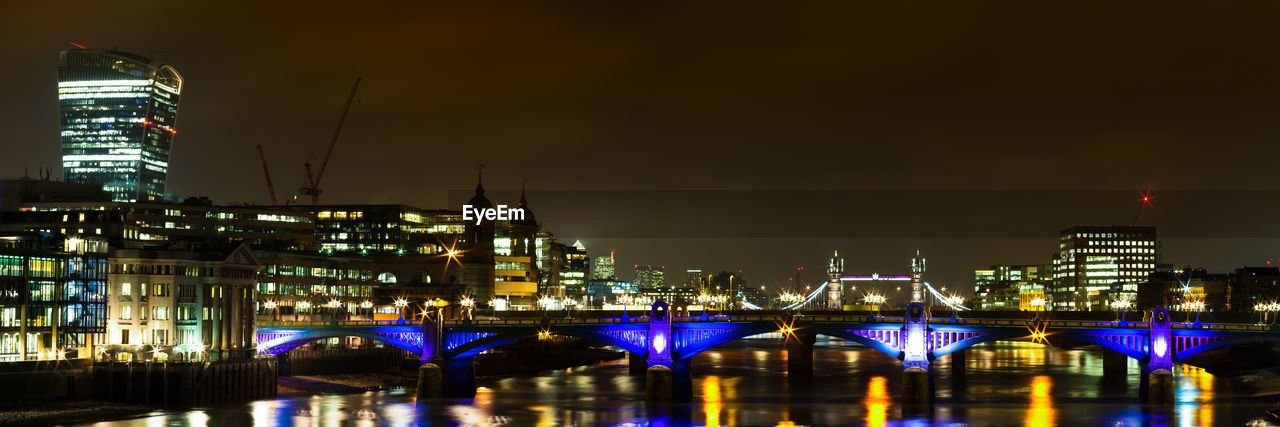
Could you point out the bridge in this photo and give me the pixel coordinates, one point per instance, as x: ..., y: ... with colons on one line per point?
x: 666, y: 343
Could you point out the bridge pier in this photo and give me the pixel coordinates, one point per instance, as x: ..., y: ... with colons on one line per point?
x: 430, y: 381
x: 669, y: 384
x: 959, y: 360
x: 917, y: 386
x: 800, y: 354
x: 460, y: 378
x: 1158, y: 376
x: 637, y: 363
x: 1114, y: 365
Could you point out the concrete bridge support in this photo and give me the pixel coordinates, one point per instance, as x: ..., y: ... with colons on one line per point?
x: 1158, y: 383
x: 959, y: 360
x: 800, y: 354
x: 917, y: 386
x: 637, y: 363
x: 669, y: 384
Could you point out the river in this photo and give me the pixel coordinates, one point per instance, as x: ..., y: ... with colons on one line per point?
x: 745, y: 383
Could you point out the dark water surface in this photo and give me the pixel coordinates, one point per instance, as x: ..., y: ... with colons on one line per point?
x: 746, y: 384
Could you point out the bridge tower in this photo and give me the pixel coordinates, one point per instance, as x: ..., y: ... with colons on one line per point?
x: 1158, y: 376
x: 835, y: 288
x: 917, y: 384
x: 917, y: 278
x: 666, y: 379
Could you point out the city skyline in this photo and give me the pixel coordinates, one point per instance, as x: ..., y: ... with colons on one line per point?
x: 1148, y: 133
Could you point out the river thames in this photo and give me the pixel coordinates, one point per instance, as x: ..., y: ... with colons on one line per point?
x: 746, y: 383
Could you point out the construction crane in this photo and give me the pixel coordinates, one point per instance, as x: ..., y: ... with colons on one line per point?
x: 270, y: 188
x: 313, y: 180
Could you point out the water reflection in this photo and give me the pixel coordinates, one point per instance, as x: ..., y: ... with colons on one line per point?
x: 877, y: 401
x: 1041, y: 412
x: 746, y: 384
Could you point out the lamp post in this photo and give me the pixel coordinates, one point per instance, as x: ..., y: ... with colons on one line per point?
x: 1198, y: 306
x: 467, y: 304
x: 367, y: 307
x: 333, y: 308
x: 400, y: 304
x: 1120, y: 305
x: 271, y: 305
x: 875, y: 301
x: 302, y: 305
x: 1037, y: 305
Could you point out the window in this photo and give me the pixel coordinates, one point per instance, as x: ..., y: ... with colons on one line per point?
x: 161, y: 313
x: 126, y: 289
x: 126, y: 313
x: 124, y: 336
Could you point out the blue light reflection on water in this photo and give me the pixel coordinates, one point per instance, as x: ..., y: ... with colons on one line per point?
x: 747, y: 384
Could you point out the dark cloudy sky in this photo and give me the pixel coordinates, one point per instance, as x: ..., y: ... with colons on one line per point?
x: 695, y: 95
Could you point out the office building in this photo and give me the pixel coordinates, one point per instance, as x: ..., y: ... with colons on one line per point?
x: 1096, y: 265
x: 52, y: 296
x: 650, y: 276
x: 602, y: 268
x: 300, y: 286
x: 186, y: 301
x: 154, y: 223
x: 118, y: 114
x: 382, y: 229
x: 1011, y: 287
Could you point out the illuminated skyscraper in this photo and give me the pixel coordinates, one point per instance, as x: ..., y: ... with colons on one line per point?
x: 1097, y: 265
x: 118, y: 112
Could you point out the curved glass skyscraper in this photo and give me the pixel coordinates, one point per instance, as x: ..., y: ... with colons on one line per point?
x: 118, y: 112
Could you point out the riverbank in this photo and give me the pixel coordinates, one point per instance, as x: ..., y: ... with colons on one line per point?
x: 69, y: 412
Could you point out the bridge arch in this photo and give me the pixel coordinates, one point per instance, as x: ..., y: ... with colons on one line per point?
x: 629, y: 337
x: 690, y: 342
x: 1217, y: 344
x: 287, y: 342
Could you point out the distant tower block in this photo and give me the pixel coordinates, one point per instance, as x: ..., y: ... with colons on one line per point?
x: 917, y: 278
x: 835, y: 288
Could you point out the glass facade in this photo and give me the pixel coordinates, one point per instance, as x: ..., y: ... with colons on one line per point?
x: 1095, y: 266
x: 59, y: 283
x: 117, y: 112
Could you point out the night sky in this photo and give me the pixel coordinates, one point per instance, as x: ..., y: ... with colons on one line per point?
x: 714, y: 108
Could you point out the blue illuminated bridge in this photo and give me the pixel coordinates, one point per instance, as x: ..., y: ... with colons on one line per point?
x: 668, y: 343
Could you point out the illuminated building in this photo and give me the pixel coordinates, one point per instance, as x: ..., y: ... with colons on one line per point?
x: 607, y: 290
x: 181, y: 303
x: 152, y: 223
x: 602, y: 268
x: 52, y: 296
x: 382, y: 229
x: 16, y: 192
x: 1096, y: 265
x: 296, y: 286
x: 694, y: 279
x: 649, y: 276
x: 118, y: 113
x: 1250, y: 286
x: 1181, y: 288
x: 676, y: 296
x: 564, y: 272
x: 1010, y: 287
x: 515, y: 280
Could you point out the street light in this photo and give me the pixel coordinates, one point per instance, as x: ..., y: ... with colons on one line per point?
x: 1037, y: 305
x: 467, y: 304
x: 1198, y: 306
x: 271, y: 305
x: 303, y: 305
x: 1120, y: 305
x: 874, y: 300
x: 400, y: 304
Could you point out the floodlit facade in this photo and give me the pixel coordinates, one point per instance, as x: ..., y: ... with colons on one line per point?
x: 118, y: 113
x: 650, y: 276
x: 1096, y: 265
x: 52, y: 296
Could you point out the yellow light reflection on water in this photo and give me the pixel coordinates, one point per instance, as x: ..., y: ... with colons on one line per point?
x: 1194, y: 397
x: 1041, y: 412
x: 877, y: 401
x: 711, y: 399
